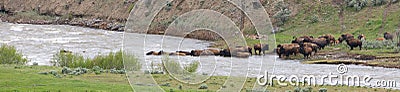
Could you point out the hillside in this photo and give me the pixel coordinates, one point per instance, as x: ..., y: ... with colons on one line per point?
x: 314, y: 17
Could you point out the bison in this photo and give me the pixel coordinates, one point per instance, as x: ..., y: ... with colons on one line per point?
x: 321, y: 42
x: 302, y: 39
x: 354, y: 43
x: 156, y: 53
x: 216, y: 52
x: 306, y: 51
x: 185, y: 52
x: 261, y: 48
x: 288, y: 49
x: 329, y: 37
x: 388, y: 36
x: 312, y: 45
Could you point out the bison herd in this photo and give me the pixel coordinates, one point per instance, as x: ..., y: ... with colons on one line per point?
x: 306, y: 45
x: 238, y: 51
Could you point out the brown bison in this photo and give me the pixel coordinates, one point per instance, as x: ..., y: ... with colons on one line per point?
x: 344, y: 37
x: 239, y: 51
x: 302, y: 39
x: 156, y: 53
x: 216, y: 52
x: 177, y: 54
x: 306, y: 51
x: 200, y: 53
x: 312, y: 45
x: 329, y: 37
x: 388, y: 36
x: 354, y: 43
x: 288, y: 49
x: 261, y: 48
x: 321, y: 42
x: 185, y: 52
x: 242, y: 54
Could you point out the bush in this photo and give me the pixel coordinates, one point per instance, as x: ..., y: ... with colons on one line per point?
x: 307, y: 89
x: 192, y: 67
x: 68, y: 59
x: 297, y: 89
x: 35, y: 64
x: 357, y: 4
x: 110, y: 61
x: 377, y: 2
x: 314, y: 19
x: 203, y: 86
x: 283, y: 13
x: 170, y: 66
x: 379, y: 44
x: 9, y: 55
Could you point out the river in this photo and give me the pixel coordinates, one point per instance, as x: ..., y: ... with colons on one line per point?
x: 40, y: 42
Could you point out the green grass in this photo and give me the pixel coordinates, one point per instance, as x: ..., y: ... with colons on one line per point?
x: 9, y: 55
x: 192, y: 67
x: 29, y: 15
x: 27, y: 78
x: 110, y: 61
x: 365, y: 21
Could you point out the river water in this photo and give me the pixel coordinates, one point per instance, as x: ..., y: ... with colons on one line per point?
x: 40, y: 42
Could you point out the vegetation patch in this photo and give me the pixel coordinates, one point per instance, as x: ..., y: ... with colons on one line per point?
x: 110, y: 61
x: 9, y: 55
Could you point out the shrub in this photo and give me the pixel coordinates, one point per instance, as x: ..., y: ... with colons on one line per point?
x: 307, y: 89
x: 67, y: 59
x: 170, y: 66
x: 377, y: 2
x: 357, y: 4
x: 203, y: 86
x: 297, y: 89
x: 379, y: 44
x: 314, y: 19
x: 192, y: 67
x: 35, y: 64
x: 283, y: 13
x: 9, y: 55
x: 110, y: 61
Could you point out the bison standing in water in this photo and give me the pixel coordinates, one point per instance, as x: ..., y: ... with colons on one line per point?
x: 288, y: 49
x: 261, y: 48
x: 388, y: 36
x: 354, y: 43
x: 306, y: 50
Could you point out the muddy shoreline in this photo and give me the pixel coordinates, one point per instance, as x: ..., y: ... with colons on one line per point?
x: 340, y: 57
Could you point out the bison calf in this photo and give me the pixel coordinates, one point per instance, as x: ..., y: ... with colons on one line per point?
x: 261, y: 48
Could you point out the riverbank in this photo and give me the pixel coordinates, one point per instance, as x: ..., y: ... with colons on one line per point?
x: 373, y: 57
